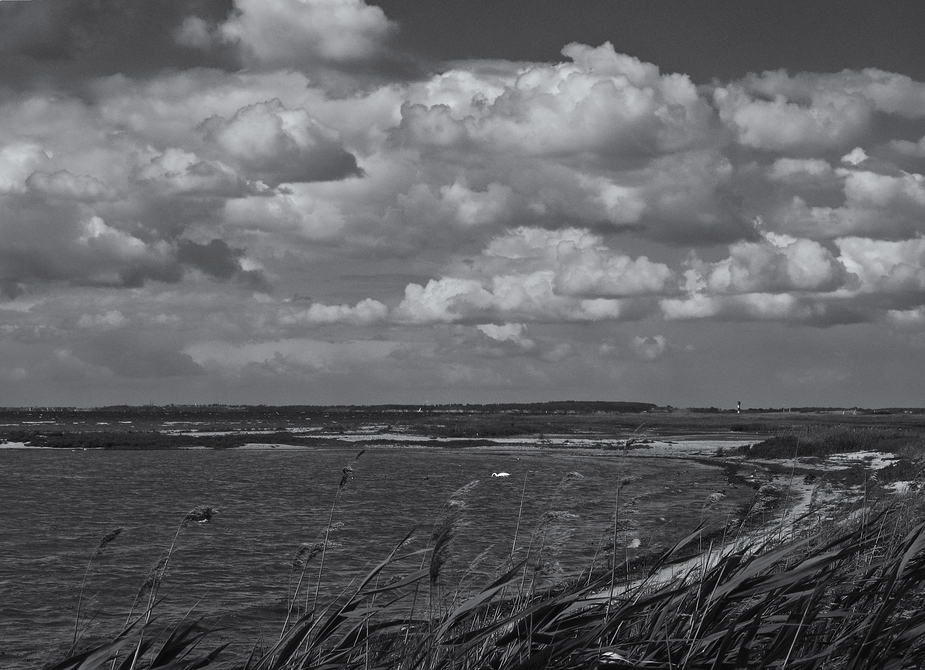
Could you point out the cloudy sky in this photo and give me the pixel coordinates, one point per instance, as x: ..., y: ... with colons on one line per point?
x: 332, y: 201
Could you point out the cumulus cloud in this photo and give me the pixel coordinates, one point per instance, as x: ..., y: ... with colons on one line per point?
x: 778, y: 263
x: 304, y: 34
x: 900, y: 194
x: 177, y: 172
x: 296, y: 213
x: 828, y: 120
x: 365, y: 312
x: 274, y: 144
x: 600, y: 273
x: 881, y: 204
x: 885, y: 266
x: 778, y: 277
x: 855, y: 157
x: 885, y: 91
x: 507, y: 332
x: 814, y: 112
x: 17, y: 163
x: 907, y: 318
x: 470, y: 207
x: 742, y: 307
x: 502, y: 201
x: 565, y: 275
x: 602, y: 103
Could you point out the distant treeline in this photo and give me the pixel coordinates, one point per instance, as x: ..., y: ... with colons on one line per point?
x: 268, y: 414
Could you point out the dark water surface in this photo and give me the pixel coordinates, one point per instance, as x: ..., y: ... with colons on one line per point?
x: 56, y: 505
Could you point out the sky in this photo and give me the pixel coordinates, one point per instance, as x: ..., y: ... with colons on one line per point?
x: 336, y: 201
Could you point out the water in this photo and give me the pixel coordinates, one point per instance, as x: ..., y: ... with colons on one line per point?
x: 56, y: 505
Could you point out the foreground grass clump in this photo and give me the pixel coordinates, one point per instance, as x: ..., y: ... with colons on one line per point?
x: 852, y: 599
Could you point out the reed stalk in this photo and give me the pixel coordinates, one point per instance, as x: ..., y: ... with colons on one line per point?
x: 105, y: 540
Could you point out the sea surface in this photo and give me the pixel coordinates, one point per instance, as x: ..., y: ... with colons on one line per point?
x: 56, y: 505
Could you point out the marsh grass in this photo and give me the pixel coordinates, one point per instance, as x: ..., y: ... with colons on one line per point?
x: 822, y: 440
x: 849, y: 595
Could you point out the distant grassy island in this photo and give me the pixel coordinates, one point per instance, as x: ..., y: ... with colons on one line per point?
x: 228, y: 426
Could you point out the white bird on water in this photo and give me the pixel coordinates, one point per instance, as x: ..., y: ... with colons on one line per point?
x: 500, y: 474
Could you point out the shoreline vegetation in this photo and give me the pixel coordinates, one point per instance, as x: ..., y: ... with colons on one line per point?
x: 824, y: 568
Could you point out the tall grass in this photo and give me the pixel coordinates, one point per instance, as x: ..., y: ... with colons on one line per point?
x: 848, y: 596
x: 821, y: 440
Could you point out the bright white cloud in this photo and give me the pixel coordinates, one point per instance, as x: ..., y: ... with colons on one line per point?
x: 17, y: 163
x: 885, y: 91
x: 828, y: 120
x: 810, y: 112
x: 876, y: 204
x: 870, y: 190
x: 564, y: 275
x: 855, y: 157
x: 776, y: 263
x: 883, y: 266
x: 508, y: 332
x: 600, y: 103
x: 742, y: 307
x: 364, y: 312
x: 305, y: 33
x: 599, y: 272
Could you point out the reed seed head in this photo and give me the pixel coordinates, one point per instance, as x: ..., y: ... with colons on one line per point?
x: 347, y: 472
x: 155, y: 576
x: 463, y: 490
x: 107, y: 538
x: 567, y: 481
x: 445, y: 529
